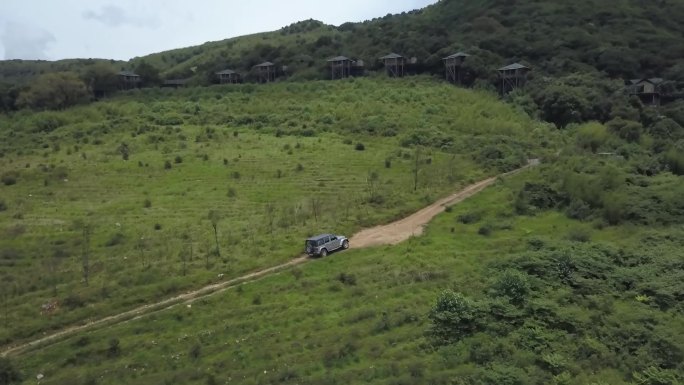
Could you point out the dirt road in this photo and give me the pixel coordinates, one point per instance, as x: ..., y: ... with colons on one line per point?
x: 389, y: 234
x: 403, y: 229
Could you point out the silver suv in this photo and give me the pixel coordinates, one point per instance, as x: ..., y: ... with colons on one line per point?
x: 323, y: 244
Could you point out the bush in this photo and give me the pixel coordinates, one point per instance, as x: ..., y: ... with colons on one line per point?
x: 147, y: 203
x: 115, y: 239
x: 8, y: 373
x: 485, y: 230
x: 347, y: 279
x: 359, y: 147
x: 114, y: 348
x: 167, y: 165
x: 579, y: 235
x: 468, y: 218
x: 453, y: 317
x: 3, y: 205
x: 178, y: 159
x: 10, y: 178
x: 513, y: 285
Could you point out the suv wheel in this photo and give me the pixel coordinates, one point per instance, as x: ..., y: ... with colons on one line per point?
x: 345, y: 244
x: 324, y: 253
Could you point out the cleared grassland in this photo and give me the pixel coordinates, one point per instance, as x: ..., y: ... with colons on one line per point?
x: 276, y: 163
x: 361, y: 316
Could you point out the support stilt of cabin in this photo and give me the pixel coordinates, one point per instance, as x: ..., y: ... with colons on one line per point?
x: 340, y: 67
x: 453, y: 64
x: 266, y: 72
x: 228, y: 77
x: 395, y: 65
x: 513, y: 76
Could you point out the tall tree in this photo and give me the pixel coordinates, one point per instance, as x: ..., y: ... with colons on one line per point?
x: 148, y: 73
x: 100, y: 79
x: 53, y: 91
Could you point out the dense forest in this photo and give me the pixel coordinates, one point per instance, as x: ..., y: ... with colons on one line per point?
x: 581, y: 54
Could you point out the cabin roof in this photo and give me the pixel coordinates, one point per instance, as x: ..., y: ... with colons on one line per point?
x: 339, y: 58
x: 226, y: 72
x: 391, y: 56
x: 514, y: 66
x: 127, y: 73
x: 265, y: 64
x: 456, y: 55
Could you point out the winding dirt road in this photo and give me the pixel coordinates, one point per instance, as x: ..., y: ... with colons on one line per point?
x: 389, y: 234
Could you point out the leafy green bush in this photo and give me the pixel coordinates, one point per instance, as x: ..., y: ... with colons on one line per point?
x: 513, y: 285
x: 10, y: 178
x: 453, y: 317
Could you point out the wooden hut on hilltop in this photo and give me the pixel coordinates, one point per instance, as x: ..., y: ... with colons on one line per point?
x: 128, y: 80
x: 453, y: 64
x: 340, y: 67
x: 228, y: 77
x: 266, y: 72
x: 513, y: 76
x: 395, y: 65
x: 647, y: 90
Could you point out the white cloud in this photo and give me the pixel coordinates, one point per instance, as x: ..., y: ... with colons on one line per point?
x: 24, y: 41
x: 114, y: 16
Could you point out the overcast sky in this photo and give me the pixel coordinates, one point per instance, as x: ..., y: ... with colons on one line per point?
x: 123, y: 29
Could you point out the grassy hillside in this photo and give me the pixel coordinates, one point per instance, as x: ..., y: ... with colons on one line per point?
x: 142, y: 173
x: 551, y: 300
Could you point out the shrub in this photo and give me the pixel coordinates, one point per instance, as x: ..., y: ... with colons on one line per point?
x: 513, y: 285
x: 347, y: 279
x: 359, y: 147
x: 3, y: 205
x: 167, y: 165
x: 115, y: 239
x: 157, y: 226
x: 178, y: 159
x: 10, y: 178
x: 485, y: 230
x: 388, y: 163
x: 147, y: 203
x: 468, y: 218
x: 114, y: 348
x: 8, y: 373
x: 195, y: 351
x: 453, y: 317
x: 579, y: 235
x: 73, y: 301
x: 299, y: 167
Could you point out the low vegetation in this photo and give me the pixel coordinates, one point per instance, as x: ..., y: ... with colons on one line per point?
x: 131, y: 200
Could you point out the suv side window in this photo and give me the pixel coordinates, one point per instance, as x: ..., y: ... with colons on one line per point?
x: 326, y: 240
x: 333, y: 238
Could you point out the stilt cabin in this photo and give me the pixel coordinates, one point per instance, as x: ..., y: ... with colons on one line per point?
x: 228, y: 77
x: 266, y: 72
x: 395, y: 65
x: 453, y: 66
x: 128, y: 80
x: 513, y: 76
x: 647, y: 90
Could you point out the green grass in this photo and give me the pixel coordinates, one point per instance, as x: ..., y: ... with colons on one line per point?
x: 260, y: 157
x: 307, y: 326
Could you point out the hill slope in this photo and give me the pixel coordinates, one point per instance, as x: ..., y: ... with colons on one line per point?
x: 625, y: 38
